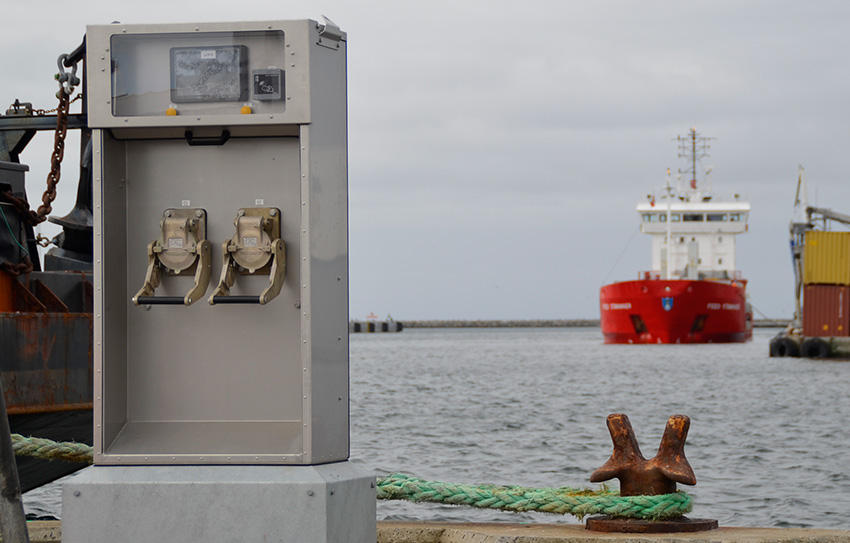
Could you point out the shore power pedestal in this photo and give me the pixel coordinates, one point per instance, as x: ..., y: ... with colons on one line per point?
x: 221, y: 288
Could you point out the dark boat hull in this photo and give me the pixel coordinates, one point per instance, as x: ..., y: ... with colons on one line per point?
x: 46, y: 364
x: 675, y: 311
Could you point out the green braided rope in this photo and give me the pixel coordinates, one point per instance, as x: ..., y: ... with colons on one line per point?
x: 398, y: 486
x: 563, y: 500
x: 51, y: 450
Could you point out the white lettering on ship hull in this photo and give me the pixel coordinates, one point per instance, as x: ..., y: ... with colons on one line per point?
x: 627, y: 305
x: 729, y: 307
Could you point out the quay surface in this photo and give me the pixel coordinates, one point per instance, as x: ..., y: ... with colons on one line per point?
x: 451, y: 532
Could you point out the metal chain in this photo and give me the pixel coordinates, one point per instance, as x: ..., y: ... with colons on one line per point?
x: 44, y: 241
x: 66, y: 88
x: 24, y: 266
x: 43, y: 112
x: 67, y: 81
x: 56, y: 158
x: 20, y: 204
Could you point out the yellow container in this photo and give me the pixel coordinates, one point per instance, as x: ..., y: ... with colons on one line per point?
x: 826, y: 259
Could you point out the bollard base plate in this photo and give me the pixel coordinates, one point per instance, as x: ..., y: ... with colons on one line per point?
x: 636, y: 526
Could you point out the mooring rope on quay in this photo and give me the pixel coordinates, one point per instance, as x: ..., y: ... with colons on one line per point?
x: 398, y: 486
x: 641, y: 511
x: 518, y: 499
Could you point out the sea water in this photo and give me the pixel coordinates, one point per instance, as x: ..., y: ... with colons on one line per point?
x: 769, y: 439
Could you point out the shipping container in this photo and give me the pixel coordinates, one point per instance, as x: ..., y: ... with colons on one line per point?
x: 826, y: 310
x: 827, y: 258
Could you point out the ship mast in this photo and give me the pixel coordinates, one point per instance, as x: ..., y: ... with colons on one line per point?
x: 693, y: 147
x: 669, y: 248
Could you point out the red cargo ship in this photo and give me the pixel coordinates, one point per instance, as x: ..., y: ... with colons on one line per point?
x: 695, y: 295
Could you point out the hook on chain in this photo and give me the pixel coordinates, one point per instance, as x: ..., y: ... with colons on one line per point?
x: 67, y: 80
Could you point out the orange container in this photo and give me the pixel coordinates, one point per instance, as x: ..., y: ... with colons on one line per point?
x: 826, y: 310
x: 826, y: 258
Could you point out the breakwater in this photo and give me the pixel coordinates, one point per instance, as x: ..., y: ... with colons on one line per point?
x: 535, y: 323
x: 545, y: 323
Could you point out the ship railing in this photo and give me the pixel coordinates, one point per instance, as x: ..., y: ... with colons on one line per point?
x: 655, y: 275
x: 651, y: 275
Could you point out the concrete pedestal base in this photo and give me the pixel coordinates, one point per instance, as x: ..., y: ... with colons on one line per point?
x: 329, y: 503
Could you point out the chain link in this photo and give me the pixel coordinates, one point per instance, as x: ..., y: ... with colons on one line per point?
x: 44, y: 241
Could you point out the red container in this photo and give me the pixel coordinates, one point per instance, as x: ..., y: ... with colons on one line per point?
x: 826, y: 310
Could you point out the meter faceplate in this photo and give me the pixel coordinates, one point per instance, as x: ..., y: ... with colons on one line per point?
x: 209, y: 74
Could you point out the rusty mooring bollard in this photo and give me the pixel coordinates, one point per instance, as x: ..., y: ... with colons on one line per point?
x: 641, y: 477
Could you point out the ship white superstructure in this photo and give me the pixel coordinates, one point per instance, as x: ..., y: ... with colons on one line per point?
x: 702, y: 236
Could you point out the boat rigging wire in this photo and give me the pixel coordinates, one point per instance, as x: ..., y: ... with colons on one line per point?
x: 14, y: 237
x: 759, y: 312
x: 631, y: 239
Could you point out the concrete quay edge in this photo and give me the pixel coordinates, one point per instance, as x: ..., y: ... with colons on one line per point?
x: 453, y: 532
x: 450, y: 532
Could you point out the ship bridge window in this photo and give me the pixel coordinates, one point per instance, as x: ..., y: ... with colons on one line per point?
x: 657, y: 217
x: 693, y: 217
x: 716, y: 216
x: 674, y: 217
x: 735, y: 217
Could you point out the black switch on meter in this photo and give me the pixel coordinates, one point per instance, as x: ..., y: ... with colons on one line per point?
x: 268, y: 84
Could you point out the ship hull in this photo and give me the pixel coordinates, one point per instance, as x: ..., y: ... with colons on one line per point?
x: 675, y: 311
x: 46, y: 329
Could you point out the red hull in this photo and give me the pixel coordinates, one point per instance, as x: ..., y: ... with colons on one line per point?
x: 675, y: 311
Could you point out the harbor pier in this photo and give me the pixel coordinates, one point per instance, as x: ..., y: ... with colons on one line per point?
x: 447, y: 532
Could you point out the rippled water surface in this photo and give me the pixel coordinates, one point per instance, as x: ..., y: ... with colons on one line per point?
x: 769, y: 439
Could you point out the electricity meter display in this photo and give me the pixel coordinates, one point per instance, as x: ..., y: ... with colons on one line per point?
x: 209, y: 74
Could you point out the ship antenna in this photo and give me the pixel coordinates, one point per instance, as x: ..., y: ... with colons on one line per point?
x: 694, y: 152
x: 669, y: 248
x: 693, y: 148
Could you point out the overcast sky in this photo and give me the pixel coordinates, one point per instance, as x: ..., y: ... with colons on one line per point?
x: 497, y: 149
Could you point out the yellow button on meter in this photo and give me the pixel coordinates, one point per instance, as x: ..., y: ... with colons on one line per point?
x: 171, y: 112
x: 246, y: 110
